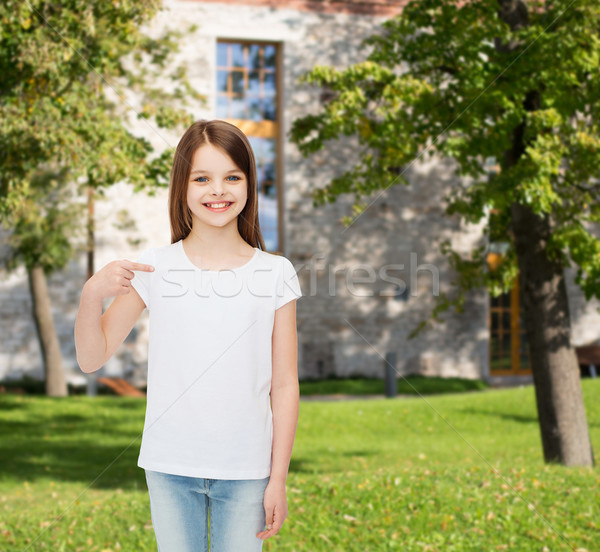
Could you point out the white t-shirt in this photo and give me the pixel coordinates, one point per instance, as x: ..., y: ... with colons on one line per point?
x: 208, y: 411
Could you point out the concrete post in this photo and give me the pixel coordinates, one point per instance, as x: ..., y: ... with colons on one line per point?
x: 391, y: 389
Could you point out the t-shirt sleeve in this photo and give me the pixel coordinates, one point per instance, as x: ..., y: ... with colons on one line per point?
x: 288, y: 287
x: 142, y: 280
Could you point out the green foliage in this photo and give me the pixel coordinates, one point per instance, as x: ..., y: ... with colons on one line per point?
x: 43, y: 223
x: 439, y: 80
x: 69, y: 72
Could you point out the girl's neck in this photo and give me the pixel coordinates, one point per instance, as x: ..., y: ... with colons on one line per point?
x: 219, y: 246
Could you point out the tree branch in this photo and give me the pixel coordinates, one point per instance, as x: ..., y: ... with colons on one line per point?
x: 514, y: 13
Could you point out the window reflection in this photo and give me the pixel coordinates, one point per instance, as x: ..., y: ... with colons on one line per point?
x: 269, y: 83
x: 237, y: 55
x: 253, y: 56
x: 222, y: 82
x: 269, y: 57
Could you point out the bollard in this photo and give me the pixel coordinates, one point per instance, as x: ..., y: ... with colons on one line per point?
x: 391, y: 388
x: 92, y: 385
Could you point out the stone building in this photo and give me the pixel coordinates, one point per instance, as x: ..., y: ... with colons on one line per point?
x: 366, y: 287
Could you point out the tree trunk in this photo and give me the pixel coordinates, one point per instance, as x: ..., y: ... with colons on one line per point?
x: 56, y: 385
x: 561, y: 412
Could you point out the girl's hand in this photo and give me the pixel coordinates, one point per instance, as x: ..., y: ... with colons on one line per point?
x: 276, y: 509
x: 114, y: 278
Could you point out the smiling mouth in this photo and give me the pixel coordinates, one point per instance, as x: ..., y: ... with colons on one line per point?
x: 221, y: 205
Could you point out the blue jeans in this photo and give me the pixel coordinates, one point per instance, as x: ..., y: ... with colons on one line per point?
x: 181, y: 508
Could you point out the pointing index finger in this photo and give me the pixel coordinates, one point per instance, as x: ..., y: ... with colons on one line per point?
x: 138, y: 266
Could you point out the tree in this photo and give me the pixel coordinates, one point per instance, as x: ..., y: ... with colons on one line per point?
x: 66, y: 67
x: 490, y: 79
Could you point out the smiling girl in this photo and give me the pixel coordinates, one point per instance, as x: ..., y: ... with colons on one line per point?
x: 222, y: 399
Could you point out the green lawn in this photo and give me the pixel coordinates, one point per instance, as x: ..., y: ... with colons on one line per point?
x: 452, y: 472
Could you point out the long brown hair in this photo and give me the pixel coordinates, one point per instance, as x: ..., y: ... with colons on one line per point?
x: 232, y: 141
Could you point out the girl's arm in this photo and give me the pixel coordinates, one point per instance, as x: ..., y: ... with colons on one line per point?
x: 97, y: 335
x: 285, y: 407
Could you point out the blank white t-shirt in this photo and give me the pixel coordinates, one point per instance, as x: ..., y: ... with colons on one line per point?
x: 208, y: 411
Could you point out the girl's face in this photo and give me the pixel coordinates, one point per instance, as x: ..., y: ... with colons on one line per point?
x: 215, y: 179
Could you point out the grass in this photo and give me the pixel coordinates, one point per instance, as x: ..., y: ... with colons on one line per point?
x: 460, y: 472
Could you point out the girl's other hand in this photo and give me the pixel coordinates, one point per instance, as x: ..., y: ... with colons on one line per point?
x: 114, y: 278
x: 276, y: 509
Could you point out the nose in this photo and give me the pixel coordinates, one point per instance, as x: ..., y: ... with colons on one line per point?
x: 217, y: 189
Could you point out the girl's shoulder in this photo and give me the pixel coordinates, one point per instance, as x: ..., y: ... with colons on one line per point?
x: 288, y: 284
x: 273, y: 257
x: 275, y: 260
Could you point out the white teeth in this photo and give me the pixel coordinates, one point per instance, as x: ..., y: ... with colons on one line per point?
x: 217, y: 205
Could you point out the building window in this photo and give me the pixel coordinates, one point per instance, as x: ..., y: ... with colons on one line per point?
x: 247, y: 96
x: 509, y: 353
